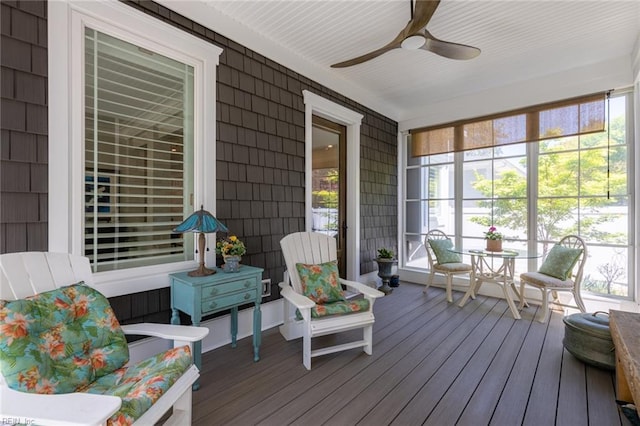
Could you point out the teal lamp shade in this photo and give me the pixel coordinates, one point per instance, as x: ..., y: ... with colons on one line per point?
x: 202, y: 222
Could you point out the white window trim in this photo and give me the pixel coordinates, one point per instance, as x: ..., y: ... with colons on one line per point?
x: 66, y: 23
x: 325, y: 108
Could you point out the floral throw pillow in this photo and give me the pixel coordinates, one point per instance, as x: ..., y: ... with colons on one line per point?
x: 321, y: 283
x: 560, y: 262
x: 441, y: 250
x: 60, y: 340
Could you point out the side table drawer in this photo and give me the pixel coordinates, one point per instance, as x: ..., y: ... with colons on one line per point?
x: 228, y: 301
x: 214, y: 290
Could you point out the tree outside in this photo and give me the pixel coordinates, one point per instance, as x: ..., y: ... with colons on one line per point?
x: 325, y: 197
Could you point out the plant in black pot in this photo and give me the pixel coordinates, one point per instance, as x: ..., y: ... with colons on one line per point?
x: 386, y: 260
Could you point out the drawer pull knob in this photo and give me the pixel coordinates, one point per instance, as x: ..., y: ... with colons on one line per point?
x: 212, y: 305
x: 247, y: 284
x: 214, y: 291
x: 247, y: 296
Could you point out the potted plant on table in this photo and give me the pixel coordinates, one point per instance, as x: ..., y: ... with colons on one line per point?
x: 494, y: 239
x: 231, y: 249
x: 386, y: 260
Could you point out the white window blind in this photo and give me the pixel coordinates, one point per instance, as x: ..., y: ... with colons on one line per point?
x: 138, y: 154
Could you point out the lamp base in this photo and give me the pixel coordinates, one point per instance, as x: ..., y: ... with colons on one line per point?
x: 201, y: 272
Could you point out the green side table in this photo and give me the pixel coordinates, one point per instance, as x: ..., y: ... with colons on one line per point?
x: 202, y: 296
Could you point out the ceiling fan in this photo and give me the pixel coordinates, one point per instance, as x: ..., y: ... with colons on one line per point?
x: 416, y: 36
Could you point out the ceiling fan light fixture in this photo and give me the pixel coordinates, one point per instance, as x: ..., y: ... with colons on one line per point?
x: 413, y: 42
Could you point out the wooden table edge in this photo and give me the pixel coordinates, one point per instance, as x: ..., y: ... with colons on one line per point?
x: 625, y: 333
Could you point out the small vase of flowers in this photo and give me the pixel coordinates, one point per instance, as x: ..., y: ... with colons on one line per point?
x: 231, y: 249
x: 494, y: 239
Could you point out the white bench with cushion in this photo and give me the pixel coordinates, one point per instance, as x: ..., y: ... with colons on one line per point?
x: 64, y: 357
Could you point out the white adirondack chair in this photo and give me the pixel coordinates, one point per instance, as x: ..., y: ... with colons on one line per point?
x: 27, y: 274
x: 316, y: 248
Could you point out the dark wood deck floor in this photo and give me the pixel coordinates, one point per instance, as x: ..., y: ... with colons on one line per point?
x: 433, y: 363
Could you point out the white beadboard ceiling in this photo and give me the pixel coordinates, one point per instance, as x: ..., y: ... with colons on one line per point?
x: 521, y: 40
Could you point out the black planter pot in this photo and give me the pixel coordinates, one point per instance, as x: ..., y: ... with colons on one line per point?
x: 385, y: 272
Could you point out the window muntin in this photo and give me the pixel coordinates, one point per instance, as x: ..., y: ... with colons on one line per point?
x: 495, y: 193
x: 584, y: 199
x: 561, y: 168
x: 430, y: 201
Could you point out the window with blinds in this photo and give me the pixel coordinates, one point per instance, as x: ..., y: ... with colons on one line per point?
x: 138, y: 155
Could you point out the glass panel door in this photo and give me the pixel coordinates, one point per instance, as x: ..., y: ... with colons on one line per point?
x: 329, y: 183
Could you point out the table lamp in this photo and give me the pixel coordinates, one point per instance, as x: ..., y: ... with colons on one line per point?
x: 202, y: 222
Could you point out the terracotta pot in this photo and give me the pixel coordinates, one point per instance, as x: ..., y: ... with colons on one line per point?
x: 494, y: 245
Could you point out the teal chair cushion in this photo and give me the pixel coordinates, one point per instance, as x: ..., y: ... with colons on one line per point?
x: 441, y: 250
x: 337, y: 308
x: 560, y: 262
x: 60, y: 340
x: 141, y: 384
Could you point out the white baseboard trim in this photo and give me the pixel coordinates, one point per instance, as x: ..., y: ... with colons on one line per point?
x: 219, y: 331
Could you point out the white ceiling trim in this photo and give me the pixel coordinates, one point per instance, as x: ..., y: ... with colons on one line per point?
x: 246, y: 36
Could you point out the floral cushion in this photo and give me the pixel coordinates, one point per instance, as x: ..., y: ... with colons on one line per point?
x: 560, y: 261
x: 321, y: 283
x: 59, y: 340
x: 142, y: 384
x: 337, y: 308
x: 441, y: 250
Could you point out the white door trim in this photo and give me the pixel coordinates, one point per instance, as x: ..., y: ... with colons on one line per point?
x: 325, y: 108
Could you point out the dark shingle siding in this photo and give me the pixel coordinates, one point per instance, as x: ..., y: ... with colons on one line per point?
x: 24, y: 164
x: 259, y: 150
